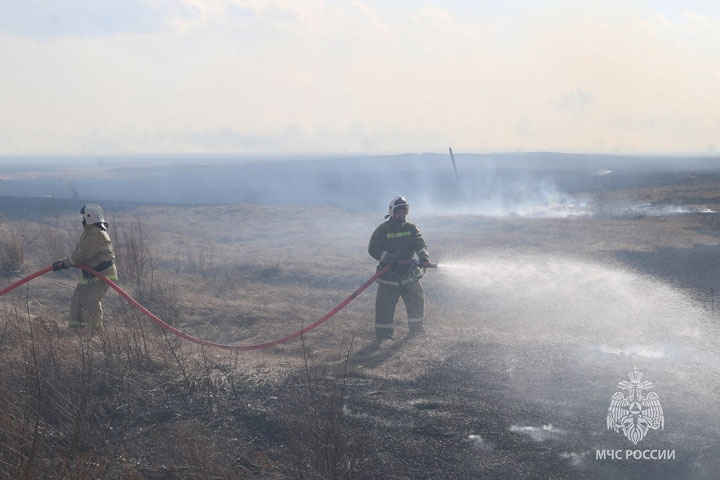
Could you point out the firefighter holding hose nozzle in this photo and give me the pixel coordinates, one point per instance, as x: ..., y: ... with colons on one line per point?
x: 94, y: 250
x: 394, y: 243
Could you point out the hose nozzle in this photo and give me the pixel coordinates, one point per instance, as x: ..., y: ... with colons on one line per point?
x: 418, y: 263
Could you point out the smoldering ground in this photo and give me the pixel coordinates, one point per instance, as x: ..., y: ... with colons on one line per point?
x: 530, y: 329
x: 533, y: 316
x: 527, y: 185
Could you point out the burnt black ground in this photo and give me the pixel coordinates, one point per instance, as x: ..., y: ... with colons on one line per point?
x: 444, y: 405
x: 456, y: 420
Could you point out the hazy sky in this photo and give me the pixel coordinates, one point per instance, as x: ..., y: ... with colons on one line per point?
x: 367, y: 76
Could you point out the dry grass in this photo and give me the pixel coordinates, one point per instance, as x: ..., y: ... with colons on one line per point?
x: 132, y: 401
x: 135, y: 402
x: 325, y: 446
x: 124, y: 402
x: 12, y: 257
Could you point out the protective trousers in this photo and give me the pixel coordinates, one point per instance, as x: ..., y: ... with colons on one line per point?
x: 86, y: 304
x: 386, y: 300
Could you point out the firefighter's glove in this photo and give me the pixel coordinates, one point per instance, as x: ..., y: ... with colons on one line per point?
x: 389, y: 259
x: 59, y: 265
x: 424, y: 260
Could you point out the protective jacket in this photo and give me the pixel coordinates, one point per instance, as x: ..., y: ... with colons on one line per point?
x: 400, y: 238
x: 94, y: 250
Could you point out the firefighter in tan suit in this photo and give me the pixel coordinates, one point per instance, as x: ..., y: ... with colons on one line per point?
x: 397, y: 239
x: 94, y: 250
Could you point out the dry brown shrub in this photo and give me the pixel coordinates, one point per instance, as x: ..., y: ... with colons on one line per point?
x: 12, y: 257
x: 59, y: 413
x: 132, y: 241
x: 323, y: 444
x: 57, y: 236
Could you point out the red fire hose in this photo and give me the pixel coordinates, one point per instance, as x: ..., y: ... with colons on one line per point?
x: 190, y: 338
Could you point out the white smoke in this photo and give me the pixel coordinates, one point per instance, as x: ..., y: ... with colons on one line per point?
x: 539, y: 434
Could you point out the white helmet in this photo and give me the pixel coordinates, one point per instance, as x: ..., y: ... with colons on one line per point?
x: 397, y: 201
x: 92, y: 214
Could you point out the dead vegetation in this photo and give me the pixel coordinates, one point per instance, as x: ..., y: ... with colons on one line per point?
x: 134, y: 401
x: 325, y: 446
x: 12, y: 257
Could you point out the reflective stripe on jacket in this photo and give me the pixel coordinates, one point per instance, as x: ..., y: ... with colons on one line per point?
x: 403, y: 239
x: 88, y: 280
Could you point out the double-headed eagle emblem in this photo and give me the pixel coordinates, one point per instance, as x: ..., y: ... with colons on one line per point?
x: 632, y: 412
